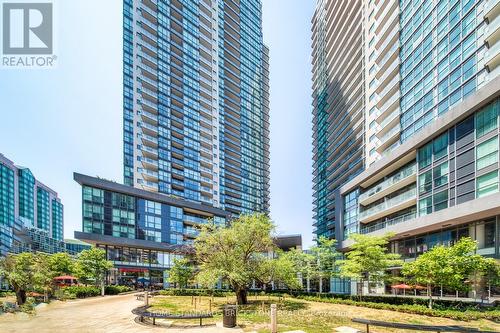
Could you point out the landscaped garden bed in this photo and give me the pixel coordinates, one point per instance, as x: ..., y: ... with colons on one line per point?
x: 310, y: 314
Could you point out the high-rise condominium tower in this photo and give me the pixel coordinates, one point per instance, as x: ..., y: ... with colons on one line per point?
x: 31, y: 213
x: 338, y: 101
x: 196, y: 106
x: 406, y: 107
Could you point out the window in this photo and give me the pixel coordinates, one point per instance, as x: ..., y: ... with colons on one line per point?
x: 465, y: 127
x: 489, y: 234
x: 441, y: 200
x: 441, y: 174
x: 487, y: 153
x: 153, y: 207
x: 487, y: 120
x: 425, y: 182
x: 425, y: 206
x: 487, y: 184
x: 440, y: 146
x: 176, y: 212
x: 425, y: 156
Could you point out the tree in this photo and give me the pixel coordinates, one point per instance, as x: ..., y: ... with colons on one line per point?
x: 279, y: 269
x: 42, y: 274
x: 304, y: 264
x: 92, y: 265
x: 181, y: 273
x: 19, y: 271
x: 369, y: 259
x: 60, y: 264
x: 236, y: 254
x: 449, y: 267
x: 325, y: 258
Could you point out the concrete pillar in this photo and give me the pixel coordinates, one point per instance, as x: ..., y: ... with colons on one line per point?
x: 274, y: 319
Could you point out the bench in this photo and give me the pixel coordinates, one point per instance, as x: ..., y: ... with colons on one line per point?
x: 426, y: 328
x: 143, y: 312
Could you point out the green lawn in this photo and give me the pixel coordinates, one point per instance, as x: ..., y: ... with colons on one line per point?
x: 295, y: 314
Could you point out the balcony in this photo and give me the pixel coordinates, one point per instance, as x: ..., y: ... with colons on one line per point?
x: 149, y: 174
x: 190, y: 219
x: 148, y: 185
x: 149, y: 162
x: 149, y: 152
x: 149, y: 140
x: 191, y: 232
x: 389, y: 206
x: 492, y: 9
x: 401, y: 179
x: 388, y: 91
x: 389, y: 138
x: 388, y: 123
x: 148, y: 116
x: 492, y: 55
x: 384, y: 224
x: 150, y: 105
x: 149, y: 129
x: 388, y: 107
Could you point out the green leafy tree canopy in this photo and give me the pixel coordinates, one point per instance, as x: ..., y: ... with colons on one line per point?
x: 369, y: 258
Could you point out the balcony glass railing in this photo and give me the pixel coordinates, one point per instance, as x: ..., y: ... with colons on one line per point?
x: 384, y: 224
x: 390, y: 203
x: 403, y: 174
x: 389, y: 118
x: 191, y: 232
x: 195, y: 219
x: 387, y: 136
x: 150, y: 138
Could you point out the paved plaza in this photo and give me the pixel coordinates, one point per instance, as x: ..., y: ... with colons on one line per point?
x: 99, y: 314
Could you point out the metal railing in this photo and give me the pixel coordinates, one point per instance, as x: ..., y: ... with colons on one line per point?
x: 405, y: 196
x: 384, y: 224
x: 403, y: 174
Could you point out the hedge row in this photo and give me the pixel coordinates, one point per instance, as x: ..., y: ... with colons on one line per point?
x: 196, y: 292
x: 89, y: 291
x: 394, y: 300
x: 464, y: 315
x: 115, y: 290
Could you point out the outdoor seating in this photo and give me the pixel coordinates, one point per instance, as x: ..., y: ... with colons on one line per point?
x: 143, y: 312
x: 425, y: 328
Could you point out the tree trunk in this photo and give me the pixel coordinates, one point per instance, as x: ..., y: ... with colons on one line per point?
x: 320, y: 284
x: 241, y: 295
x: 429, y: 291
x: 20, y: 296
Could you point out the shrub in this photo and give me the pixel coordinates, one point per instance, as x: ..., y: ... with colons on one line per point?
x: 196, y: 292
x: 115, y: 290
x: 28, y: 307
x: 5, y: 293
x: 81, y: 291
x: 465, y: 314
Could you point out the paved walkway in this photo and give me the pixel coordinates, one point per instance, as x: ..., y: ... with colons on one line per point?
x: 110, y: 314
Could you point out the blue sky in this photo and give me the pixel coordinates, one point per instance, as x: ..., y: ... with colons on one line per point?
x: 70, y: 118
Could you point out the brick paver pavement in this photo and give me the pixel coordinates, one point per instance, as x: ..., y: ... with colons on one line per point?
x: 110, y: 314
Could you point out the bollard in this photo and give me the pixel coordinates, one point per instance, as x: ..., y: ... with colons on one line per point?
x: 210, y: 305
x: 274, y: 319
x: 146, y: 298
x: 195, y: 303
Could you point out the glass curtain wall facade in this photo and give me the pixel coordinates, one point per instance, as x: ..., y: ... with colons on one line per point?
x: 419, y: 59
x: 142, y: 232
x: 31, y: 214
x: 442, y: 58
x: 338, y: 107
x: 196, y: 102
